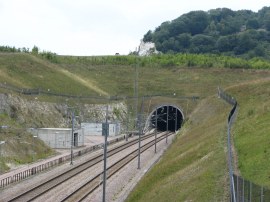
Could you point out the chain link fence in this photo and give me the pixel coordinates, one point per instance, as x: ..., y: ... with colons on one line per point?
x: 246, y: 191
x: 241, y: 190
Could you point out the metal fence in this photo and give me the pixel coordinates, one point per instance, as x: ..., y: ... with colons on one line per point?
x: 241, y: 190
x: 246, y: 191
x: 229, y: 99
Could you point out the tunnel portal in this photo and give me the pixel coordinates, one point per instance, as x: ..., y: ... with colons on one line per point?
x: 166, y: 117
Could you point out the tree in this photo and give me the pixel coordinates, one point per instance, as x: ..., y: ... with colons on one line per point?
x: 215, y: 14
x: 35, y: 50
x: 169, y: 45
x: 148, y: 36
x: 224, y: 44
x: 25, y: 50
x: 198, y: 21
x: 178, y: 26
x: 259, y: 51
x: 244, y: 44
x: 267, y: 21
x: 201, y: 43
x: 184, y: 40
x: 252, y: 23
x: 212, y: 29
x: 216, y: 31
x: 226, y: 12
x: 263, y: 16
x: 161, y: 35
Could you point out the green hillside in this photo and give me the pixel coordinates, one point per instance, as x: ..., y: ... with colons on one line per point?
x: 114, y: 75
x: 251, y: 131
x: 194, y: 167
x: 29, y: 71
x: 242, y: 33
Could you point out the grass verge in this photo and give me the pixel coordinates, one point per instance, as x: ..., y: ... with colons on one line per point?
x: 251, y: 131
x: 194, y: 168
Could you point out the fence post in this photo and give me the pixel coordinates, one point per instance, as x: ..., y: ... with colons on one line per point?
x: 243, y: 192
x: 261, y: 194
x: 237, y: 188
x: 250, y: 191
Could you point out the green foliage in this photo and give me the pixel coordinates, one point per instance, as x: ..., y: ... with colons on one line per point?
x: 216, y: 31
x: 252, y: 23
x: 20, y: 148
x: 35, y: 50
x: 201, y: 44
x: 49, y: 56
x: 9, y: 49
x: 196, y: 21
x: 169, y: 60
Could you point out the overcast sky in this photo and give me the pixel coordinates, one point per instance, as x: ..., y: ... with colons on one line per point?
x: 95, y: 27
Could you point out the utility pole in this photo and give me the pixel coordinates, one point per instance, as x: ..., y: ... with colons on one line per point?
x: 167, y: 124
x: 140, y: 133
x: 175, y: 119
x: 139, y: 149
x: 127, y: 123
x: 156, y: 132
x: 33, y: 142
x: 105, y: 155
x: 32, y: 147
x: 136, y: 93
x: 72, y: 136
x: 1, y: 143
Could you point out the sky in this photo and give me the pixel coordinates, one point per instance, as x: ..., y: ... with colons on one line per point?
x: 95, y: 27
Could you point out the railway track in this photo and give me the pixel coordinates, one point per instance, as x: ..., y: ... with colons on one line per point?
x: 87, y: 188
x: 51, y: 183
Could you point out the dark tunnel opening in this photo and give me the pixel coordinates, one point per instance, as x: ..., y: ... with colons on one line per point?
x: 167, y: 118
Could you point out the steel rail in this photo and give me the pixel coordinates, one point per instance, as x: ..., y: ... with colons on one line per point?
x: 88, y: 187
x: 54, y: 181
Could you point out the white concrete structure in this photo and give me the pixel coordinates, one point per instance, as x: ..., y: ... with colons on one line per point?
x: 96, y: 129
x: 59, y: 137
x: 92, y: 128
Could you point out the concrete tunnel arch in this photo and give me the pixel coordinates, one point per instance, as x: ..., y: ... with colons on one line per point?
x: 175, y: 118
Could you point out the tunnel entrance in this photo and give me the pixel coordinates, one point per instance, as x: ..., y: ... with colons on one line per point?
x: 165, y: 117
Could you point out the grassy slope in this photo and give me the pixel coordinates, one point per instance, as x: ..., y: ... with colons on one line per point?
x: 81, y: 78
x: 27, y: 71
x: 251, y: 131
x: 195, y: 166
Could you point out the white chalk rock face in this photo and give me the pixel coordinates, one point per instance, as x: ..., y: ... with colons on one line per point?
x: 147, y: 48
